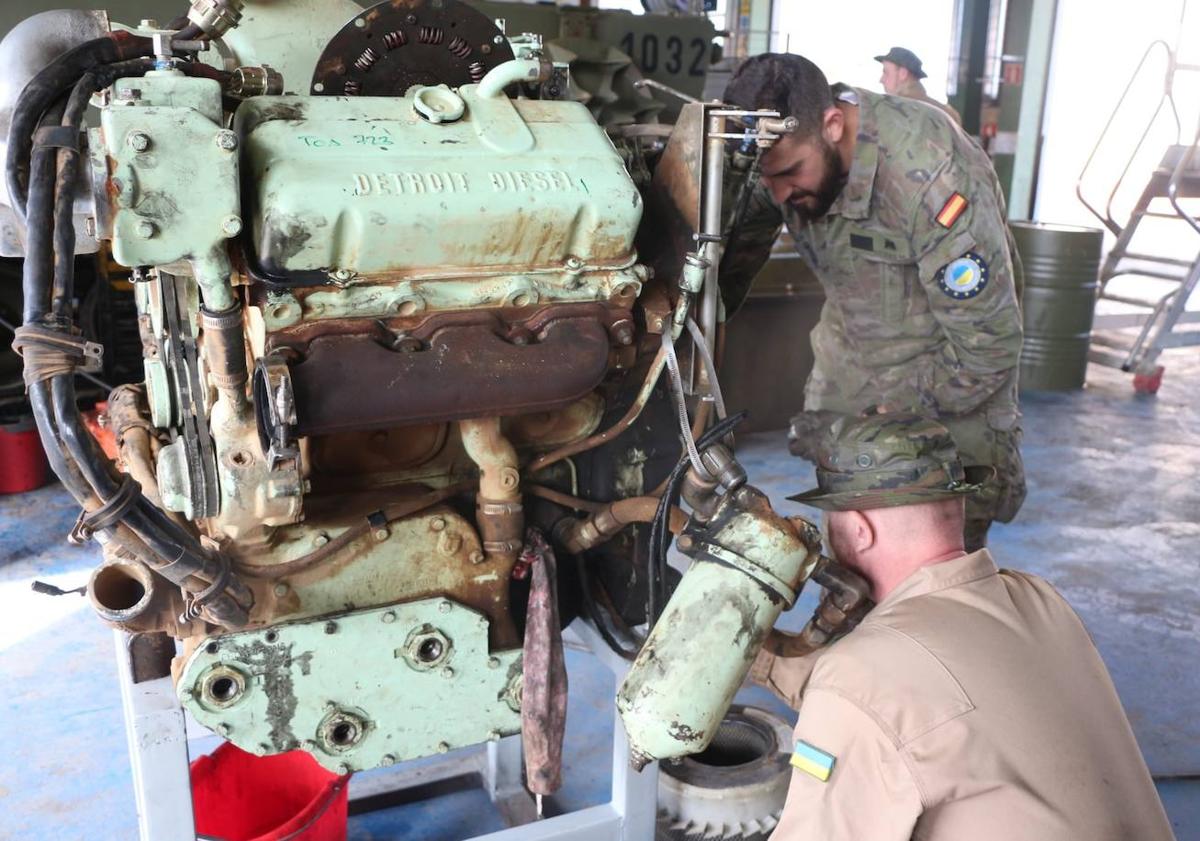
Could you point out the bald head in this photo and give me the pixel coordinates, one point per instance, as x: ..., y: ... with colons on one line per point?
x: 887, y: 545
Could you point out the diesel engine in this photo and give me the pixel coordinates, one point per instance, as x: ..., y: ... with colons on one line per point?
x: 404, y: 320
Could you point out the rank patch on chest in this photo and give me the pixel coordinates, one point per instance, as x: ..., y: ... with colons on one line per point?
x: 965, y: 277
x: 812, y: 760
x: 951, y: 210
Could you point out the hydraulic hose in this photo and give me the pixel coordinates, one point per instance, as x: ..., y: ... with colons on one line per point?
x: 48, y: 86
x: 49, y: 267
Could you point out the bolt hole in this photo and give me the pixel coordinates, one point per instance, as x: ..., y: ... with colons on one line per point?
x: 343, y: 733
x: 430, y: 650
x: 406, y: 307
x: 520, y: 300
x: 223, y: 689
x: 272, y: 636
x: 241, y: 458
x: 212, y: 648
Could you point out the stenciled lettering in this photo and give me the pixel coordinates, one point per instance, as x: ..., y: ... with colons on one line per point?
x: 408, y: 183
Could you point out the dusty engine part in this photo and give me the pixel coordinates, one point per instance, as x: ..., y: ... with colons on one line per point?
x: 733, y: 790
x: 393, y: 46
x: 383, y: 335
x: 749, y: 564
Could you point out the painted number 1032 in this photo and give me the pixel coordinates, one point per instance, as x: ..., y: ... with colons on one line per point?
x: 651, y: 52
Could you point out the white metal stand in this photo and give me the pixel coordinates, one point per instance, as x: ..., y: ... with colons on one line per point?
x: 158, y: 749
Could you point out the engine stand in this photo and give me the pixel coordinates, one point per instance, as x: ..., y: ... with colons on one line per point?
x: 157, y: 730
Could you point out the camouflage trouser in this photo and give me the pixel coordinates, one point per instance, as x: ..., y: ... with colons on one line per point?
x: 975, y: 534
x: 990, y: 438
x: 980, y: 442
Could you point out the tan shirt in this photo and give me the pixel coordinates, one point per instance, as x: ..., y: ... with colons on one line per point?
x: 913, y: 89
x: 969, y: 705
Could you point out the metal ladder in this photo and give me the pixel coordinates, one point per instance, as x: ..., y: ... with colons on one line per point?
x: 1175, y: 179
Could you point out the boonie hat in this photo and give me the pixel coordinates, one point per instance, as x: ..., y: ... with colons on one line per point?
x: 884, y: 460
x: 904, y: 58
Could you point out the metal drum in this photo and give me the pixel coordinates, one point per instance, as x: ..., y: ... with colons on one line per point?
x: 1062, y: 264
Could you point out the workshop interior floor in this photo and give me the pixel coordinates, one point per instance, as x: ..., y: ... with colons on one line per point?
x: 1112, y: 520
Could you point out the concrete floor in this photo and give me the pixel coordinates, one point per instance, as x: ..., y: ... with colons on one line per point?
x: 1112, y: 519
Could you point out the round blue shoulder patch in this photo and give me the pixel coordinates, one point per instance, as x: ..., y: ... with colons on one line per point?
x: 965, y: 277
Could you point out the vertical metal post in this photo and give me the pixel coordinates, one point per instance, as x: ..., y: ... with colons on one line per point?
x: 158, y: 754
x: 710, y: 225
x: 1033, y: 102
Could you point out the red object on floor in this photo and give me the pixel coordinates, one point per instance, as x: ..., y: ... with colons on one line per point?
x: 23, y: 464
x: 238, y: 796
x: 1149, y: 383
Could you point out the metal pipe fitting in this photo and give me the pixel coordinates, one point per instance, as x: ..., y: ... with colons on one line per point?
x: 127, y: 595
x: 216, y: 17
x: 518, y: 70
x: 499, y: 513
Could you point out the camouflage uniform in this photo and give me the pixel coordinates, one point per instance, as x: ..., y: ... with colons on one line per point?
x: 913, y: 89
x: 894, y: 330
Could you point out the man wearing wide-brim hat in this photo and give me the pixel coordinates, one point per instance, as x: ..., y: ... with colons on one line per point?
x: 902, y: 75
x: 970, y: 702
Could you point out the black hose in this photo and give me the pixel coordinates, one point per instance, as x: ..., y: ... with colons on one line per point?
x: 44, y: 89
x: 592, y: 609
x: 660, y: 526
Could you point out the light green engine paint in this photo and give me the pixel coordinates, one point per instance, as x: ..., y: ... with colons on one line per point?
x: 172, y: 173
x: 510, y: 204
x: 749, y: 565
x: 358, y: 690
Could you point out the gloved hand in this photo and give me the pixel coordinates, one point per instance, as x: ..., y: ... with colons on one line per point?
x: 806, y: 431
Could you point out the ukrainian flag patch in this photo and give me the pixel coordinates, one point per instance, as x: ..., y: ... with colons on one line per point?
x: 812, y: 760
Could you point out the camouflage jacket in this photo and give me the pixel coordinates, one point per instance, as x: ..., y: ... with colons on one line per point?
x: 920, y: 314
x: 913, y: 89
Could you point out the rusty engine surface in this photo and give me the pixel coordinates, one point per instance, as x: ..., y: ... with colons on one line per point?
x: 400, y: 350
x: 383, y: 325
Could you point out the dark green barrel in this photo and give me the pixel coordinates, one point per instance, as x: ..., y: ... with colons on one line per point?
x: 1061, y: 264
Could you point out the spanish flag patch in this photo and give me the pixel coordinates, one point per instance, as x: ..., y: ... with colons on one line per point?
x: 951, y: 210
x: 812, y: 760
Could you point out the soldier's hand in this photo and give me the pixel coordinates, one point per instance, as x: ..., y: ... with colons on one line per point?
x: 806, y: 431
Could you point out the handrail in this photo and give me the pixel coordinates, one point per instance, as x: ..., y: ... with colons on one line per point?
x: 1106, y: 217
x: 1173, y: 185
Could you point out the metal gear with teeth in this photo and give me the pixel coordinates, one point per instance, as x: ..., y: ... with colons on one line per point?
x: 733, y: 790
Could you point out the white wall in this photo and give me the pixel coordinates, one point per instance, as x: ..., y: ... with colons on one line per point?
x: 842, y: 37
x: 1097, y: 45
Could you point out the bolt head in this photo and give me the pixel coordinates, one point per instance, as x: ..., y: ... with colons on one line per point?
x: 227, y: 140
x: 447, y: 672
x: 343, y: 768
x: 444, y: 607
x: 493, y: 662
x: 499, y: 39
x: 443, y: 747
x: 437, y: 523
x: 387, y: 760
x: 389, y: 617
x: 138, y: 141
x: 477, y: 557
x: 224, y: 729
x: 145, y: 229
x: 232, y: 226
x: 281, y: 589
x: 320, y: 539
x: 381, y: 534
x: 262, y: 749
x: 685, y: 543
x: 574, y: 263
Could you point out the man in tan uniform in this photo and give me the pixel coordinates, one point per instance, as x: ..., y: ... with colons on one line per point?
x: 901, y: 217
x: 902, y: 75
x: 970, y: 704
